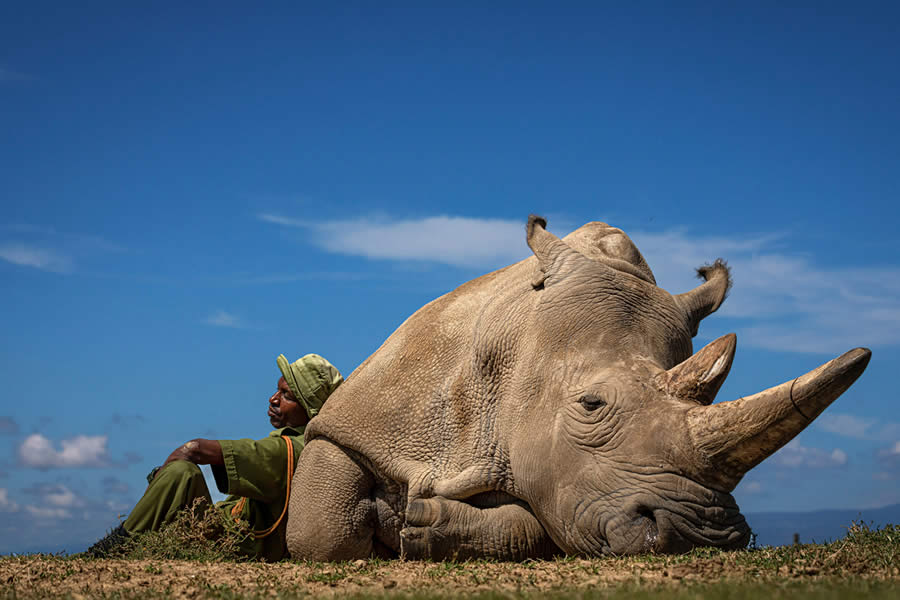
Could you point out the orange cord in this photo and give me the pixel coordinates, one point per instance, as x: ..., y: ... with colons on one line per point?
x: 237, y: 508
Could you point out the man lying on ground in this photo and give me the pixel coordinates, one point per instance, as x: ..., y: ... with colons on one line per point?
x: 257, y: 474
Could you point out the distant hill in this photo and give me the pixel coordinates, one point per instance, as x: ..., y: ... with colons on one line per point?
x: 778, y: 528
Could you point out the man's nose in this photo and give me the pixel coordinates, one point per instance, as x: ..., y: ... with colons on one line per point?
x: 275, y: 398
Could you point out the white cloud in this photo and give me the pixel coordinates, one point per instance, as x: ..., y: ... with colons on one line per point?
x: 26, y: 255
x: 788, y: 302
x: 117, y: 506
x: 862, y: 428
x: 61, y: 496
x: 457, y: 241
x: 752, y: 487
x: 280, y: 220
x: 42, y: 247
x: 45, y: 513
x: 889, y: 459
x: 7, y: 505
x: 846, y: 425
x: 795, y: 455
x: 80, y: 451
x: 785, y: 300
x: 55, y: 495
x: 220, y: 318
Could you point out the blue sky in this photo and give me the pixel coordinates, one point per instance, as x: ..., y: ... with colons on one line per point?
x: 189, y: 190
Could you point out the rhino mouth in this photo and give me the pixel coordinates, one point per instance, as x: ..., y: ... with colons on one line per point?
x: 651, y: 524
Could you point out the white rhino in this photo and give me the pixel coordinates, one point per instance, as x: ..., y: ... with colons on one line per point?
x: 553, y: 406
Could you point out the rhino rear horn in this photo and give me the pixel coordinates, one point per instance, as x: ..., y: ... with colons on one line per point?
x: 552, y: 253
x: 699, y: 378
x: 733, y: 437
x: 705, y: 299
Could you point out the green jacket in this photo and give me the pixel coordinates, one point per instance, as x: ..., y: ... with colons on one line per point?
x: 255, y: 475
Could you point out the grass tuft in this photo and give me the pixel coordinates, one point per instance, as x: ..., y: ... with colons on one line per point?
x: 203, y: 533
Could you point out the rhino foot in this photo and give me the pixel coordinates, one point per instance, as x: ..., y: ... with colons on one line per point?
x: 427, y: 535
x: 440, y: 529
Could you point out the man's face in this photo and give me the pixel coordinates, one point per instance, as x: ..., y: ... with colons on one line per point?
x: 284, y: 410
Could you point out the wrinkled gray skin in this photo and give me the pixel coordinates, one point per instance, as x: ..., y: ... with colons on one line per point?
x: 553, y: 406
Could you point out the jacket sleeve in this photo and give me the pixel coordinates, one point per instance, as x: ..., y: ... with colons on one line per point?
x: 255, y: 469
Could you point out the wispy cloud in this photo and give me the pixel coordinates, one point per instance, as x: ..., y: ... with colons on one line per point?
x: 795, y: 455
x: 43, y: 247
x: 788, y: 302
x: 27, y: 255
x: 46, y: 513
x: 889, y: 461
x: 281, y: 220
x: 7, y: 505
x: 861, y: 428
x: 457, y: 241
x: 751, y: 487
x: 785, y: 300
x: 56, y: 495
x: 220, y: 318
x: 113, y: 485
x: 75, y: 519
x: 38, y: 452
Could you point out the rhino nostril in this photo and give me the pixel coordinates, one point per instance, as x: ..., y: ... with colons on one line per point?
x: 646, y: 513
x: 647, y: 519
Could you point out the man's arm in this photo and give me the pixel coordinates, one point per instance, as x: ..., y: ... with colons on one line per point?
x: 199, y: 452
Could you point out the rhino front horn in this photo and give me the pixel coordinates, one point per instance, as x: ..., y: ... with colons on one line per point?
x: 733, y: 437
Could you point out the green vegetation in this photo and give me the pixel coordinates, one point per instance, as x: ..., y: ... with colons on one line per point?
x: 202, y: 533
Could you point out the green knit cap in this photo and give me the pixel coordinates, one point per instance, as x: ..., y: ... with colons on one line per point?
x: 312, y: 379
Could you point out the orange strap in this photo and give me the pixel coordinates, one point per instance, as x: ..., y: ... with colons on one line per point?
x: 237, y: 508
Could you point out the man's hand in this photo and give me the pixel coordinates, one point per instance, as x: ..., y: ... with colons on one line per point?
x: 199, y: 452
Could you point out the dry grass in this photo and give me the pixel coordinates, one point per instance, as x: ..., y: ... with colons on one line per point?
x: 203, y: 533
x: 864, y: 563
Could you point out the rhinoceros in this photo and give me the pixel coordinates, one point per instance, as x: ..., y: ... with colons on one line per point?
x: 553, y: 406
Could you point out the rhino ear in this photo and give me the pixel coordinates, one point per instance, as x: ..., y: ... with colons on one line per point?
x: 705, y: 299
x: 552, y: 253
x: 699, y: 378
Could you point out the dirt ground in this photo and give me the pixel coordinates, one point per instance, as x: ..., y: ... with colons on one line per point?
x: 37, y: 576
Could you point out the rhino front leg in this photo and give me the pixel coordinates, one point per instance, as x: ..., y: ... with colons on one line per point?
x: 439, y: 528
x: 331, y: 512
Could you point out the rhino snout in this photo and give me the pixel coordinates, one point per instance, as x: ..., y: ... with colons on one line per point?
x: 659, y: 526
x: 643, y: 530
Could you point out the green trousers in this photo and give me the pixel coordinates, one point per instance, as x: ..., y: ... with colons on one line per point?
x: 174, y: 488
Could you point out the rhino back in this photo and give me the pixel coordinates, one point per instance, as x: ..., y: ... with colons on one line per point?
x: 425, y: 403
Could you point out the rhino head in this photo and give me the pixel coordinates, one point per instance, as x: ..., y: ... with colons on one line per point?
x: 618, y: 446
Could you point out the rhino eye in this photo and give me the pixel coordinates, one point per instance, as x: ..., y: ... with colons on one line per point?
x: 592, y: 402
